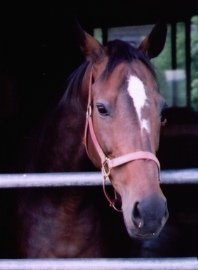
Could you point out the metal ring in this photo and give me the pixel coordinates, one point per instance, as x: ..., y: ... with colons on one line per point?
x: 105, y: 168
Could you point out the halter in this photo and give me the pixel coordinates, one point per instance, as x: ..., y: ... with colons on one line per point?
x: 107, y: 163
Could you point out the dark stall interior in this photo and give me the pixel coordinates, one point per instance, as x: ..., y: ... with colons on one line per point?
x: 38, y: 51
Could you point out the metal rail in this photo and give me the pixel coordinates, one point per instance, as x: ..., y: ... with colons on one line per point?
x: 100, y: 264
x: 184, y: 176
x: 93, y: 179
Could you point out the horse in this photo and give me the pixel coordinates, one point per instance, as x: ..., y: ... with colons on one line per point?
x: 109, y: 119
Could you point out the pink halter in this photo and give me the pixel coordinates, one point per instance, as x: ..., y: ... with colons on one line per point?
x: 106, y: 163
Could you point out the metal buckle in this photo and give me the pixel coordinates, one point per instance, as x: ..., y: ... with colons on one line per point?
x: 105, y: 168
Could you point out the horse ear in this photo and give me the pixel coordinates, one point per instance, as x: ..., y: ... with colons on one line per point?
x: 89, y: 46
x: 154, y: 43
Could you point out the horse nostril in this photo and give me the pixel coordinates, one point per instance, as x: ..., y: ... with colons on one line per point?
x: 136, y: 216
x: 166, y: 215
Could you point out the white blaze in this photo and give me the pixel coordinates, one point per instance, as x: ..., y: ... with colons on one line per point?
x: 138, y: 93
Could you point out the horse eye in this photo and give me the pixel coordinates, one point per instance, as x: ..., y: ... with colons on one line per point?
x: 102, y: 109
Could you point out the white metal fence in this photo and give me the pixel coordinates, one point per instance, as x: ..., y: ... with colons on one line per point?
x: 187, y: 176
x: 100, y: 264
x: 183, y: 176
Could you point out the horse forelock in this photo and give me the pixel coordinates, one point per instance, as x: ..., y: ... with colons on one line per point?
x: 119, y: 51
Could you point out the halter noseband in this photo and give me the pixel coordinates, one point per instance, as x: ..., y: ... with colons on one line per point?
x: 106, y: 163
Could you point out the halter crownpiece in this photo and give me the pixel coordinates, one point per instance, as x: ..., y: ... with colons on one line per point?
x: 107, y: 163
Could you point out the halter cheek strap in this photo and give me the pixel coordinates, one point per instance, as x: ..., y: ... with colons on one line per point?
x: 106, y: 163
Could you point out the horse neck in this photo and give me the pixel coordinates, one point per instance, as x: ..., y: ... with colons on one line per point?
x: 60, y: 146
x: 69, y: 148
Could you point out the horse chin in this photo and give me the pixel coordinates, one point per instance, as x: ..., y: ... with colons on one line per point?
x: 136, y: 234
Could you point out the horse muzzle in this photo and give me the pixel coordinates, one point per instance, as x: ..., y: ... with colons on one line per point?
x: 147, y: 217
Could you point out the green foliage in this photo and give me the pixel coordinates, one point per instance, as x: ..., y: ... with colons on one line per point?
x: 194, y: 63
x: 180, y: 45
x: 163, y: 63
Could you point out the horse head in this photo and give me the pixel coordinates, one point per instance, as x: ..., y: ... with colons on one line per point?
x: 122, y: 132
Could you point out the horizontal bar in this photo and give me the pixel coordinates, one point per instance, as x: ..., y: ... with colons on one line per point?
x: 100, y: 264
x: 184, y: 176
x: 49, y: 179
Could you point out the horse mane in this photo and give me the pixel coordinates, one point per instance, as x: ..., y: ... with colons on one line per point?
x: 121, y: 51
x: 72, y: 88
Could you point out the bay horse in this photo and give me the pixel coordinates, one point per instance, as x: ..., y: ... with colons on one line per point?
x: 110, y: 115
